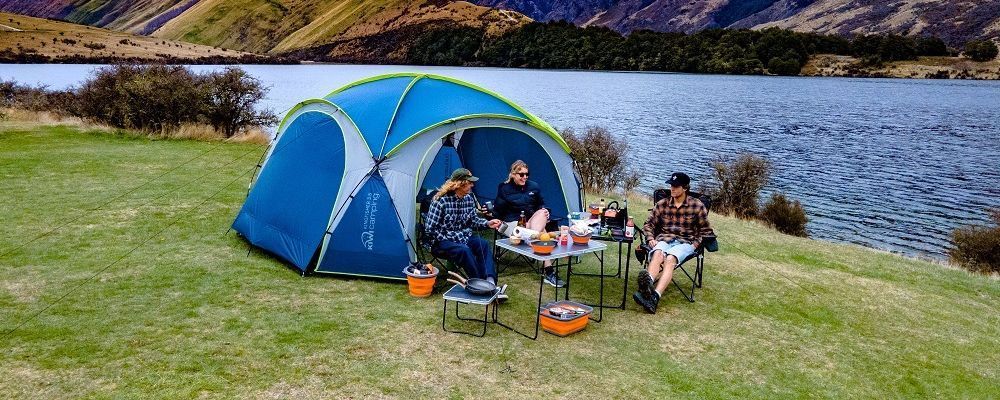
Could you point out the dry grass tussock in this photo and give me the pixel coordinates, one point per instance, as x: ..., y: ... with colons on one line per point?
x: 201, y: 132
x: 207, y: 133
x: 46, y: 118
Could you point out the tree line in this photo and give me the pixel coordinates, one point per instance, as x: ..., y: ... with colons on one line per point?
x: 562, y: 45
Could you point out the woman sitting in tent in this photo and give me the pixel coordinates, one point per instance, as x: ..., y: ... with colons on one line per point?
x: 519, y: 197
x: 449, y: 224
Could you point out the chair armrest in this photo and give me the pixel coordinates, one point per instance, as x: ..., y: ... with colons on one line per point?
x: 710, y: 243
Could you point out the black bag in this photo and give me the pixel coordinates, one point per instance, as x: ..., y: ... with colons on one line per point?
x: 614, y: 217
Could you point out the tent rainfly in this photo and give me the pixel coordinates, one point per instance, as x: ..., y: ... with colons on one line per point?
x: 337, y: 189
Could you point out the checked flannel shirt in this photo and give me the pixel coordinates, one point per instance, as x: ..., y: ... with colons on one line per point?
x: 451, y: 218
x: 687, y: 223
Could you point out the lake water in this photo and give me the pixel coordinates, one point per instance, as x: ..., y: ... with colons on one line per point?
x: 890, y: 164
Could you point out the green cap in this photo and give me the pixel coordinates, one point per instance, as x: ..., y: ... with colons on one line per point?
x: 463, y: 174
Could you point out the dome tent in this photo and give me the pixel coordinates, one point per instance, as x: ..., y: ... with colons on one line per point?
x: 337, y: 188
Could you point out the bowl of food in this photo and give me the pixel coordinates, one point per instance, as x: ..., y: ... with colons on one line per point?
x: 515, y: 240
x: 581, y: 235
x: 543, y: 247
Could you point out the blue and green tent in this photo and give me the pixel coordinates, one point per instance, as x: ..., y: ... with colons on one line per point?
x: 337, y: 189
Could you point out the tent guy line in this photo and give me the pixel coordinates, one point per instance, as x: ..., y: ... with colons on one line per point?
x: 106, y: 203
x: 119, y: 259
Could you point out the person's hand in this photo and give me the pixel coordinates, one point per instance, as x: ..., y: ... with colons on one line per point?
x: 651, y: 243
x: 545, y: 211
x: 493, y: 223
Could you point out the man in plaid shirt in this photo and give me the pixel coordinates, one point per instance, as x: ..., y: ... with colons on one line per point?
x: 449, y: 224
x: 673, y: 231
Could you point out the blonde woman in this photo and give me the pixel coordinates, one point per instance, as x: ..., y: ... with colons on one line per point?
x: 518, y: 195
x: 449, y: 224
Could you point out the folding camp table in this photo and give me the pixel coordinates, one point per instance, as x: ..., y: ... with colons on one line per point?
x: 564, y: 252
x: 460, y: 296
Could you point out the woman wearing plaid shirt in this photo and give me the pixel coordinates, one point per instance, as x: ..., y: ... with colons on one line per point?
x: 449, y: 224
x: 673, y: 232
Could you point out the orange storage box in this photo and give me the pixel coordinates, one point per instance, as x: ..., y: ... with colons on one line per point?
x: 563, y: 318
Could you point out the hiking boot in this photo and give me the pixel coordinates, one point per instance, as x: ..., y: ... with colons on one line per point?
x: 645, y: 284
x: 553, y: 280
x: 648, y: 303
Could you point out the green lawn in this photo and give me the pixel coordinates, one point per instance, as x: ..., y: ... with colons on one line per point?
x: 190, y: 314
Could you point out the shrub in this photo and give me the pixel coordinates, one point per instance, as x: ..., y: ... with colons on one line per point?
x: 785, y: 215
x: 736, y: 184
x: 144, y: 97
x: 977, y: 248
x: 230, y: 98
x: 600, y: 159
x: 784, y: 66
x: 981, y: 50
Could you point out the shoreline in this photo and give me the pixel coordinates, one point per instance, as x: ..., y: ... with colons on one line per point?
x: 820, y: 66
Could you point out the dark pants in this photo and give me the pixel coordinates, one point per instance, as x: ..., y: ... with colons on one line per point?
x: 475, y: 257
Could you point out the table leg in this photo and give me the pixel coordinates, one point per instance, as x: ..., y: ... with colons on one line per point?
x: 485, y: 320
x: 628, y: 263
x: 538, y: 316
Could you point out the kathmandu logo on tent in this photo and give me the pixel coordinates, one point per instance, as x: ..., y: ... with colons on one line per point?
x: 368, y: 223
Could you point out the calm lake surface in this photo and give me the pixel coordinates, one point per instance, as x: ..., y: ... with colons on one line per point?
x: 890, y: 164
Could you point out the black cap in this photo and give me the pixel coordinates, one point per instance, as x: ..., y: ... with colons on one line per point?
x: 463, y: 174
x: 679, y: 179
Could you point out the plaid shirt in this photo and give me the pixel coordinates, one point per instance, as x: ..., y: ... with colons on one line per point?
x: 451, y: 218
x: 687, y: 223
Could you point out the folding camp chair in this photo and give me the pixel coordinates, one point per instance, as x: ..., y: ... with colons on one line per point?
x: 709, y: 243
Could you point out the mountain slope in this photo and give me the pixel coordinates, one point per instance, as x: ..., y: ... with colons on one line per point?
x: 29, y: 36
x: 956, y: 21
x: 266, y: 26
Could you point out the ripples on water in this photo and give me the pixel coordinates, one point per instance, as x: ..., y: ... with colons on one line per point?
x: 891, y: 164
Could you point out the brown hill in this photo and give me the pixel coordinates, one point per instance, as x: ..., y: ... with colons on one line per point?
x: 267, y: 26
x: 26, y: 36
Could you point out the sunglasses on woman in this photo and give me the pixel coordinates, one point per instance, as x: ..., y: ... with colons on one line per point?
x: 522, y: 174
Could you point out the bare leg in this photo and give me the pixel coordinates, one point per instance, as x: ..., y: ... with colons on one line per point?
x: 654, y: 264
x: 537, y: 222
x: 668, y: 274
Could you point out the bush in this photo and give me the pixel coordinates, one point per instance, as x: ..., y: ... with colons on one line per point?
x: 600, y: 160
x: 230, y: 97
x: 160, y: 98
x: 144, y: 97
x: 981, y: 50
x: 736, y: 185
x: 783, y: 66
x: 785, y: 215
x: 977, y: 248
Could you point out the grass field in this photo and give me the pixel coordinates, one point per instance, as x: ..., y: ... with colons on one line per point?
x: 147, y: 296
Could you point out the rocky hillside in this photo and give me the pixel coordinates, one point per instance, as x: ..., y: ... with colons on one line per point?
x: 955, y: 21
x: 266, y: 26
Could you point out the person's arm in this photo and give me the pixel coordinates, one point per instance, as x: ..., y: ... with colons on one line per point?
x: 476, y: 220
x: 539, y: 200
x: 653, y: 229
x: 697, y: 231
x: 649, y: 228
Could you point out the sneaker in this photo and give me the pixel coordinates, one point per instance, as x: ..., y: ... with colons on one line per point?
x: 648, y: 303
x: 553, y: 280
x: 646, y: 284
x: 502, y: 294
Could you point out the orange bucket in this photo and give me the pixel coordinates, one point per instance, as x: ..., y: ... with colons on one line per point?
x: 561, y: 325
x: 421, y: 285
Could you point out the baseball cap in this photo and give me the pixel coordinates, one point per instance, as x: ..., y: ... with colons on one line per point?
x: 463, y: 174
x: 679, y: 179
